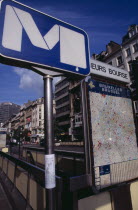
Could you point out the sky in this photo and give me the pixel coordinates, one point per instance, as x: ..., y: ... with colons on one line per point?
x: 103, y: 21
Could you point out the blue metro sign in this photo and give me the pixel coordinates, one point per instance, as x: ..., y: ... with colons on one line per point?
x: 30, y: 38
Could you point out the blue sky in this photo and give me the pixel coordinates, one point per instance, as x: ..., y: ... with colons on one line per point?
x: 102, y: 20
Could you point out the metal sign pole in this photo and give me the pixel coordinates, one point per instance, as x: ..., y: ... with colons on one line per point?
x: 85, y: 128
x: 49, y: 144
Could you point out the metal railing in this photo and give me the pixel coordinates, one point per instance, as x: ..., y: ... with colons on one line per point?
x: 37, y: 173
x: 74, y: 156
x: 66, y: 187
x: 67, y: 184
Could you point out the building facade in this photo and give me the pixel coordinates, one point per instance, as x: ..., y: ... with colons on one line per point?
x: 28, y: 116
x: 62, y: 101
x: 121, y: 55
x: 29, y: 121
x: 76, y: 129
x: 22, y: 117
x: 38, y: 118
x: 8, y: 109
x: 68, y: 109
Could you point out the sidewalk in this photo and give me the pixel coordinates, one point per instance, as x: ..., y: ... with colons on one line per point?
x: 4, y: 203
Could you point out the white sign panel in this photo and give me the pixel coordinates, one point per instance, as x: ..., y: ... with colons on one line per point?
x: 3, y: 129
x: 50, y: 180
x: 105, y: 70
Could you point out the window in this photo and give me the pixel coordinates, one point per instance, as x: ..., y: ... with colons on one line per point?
x: 39, y: 116
x: 62, y: 100
x: 130, y: 66
x: 63, y: 109
x: 132, y: 33
x: 135, y: 46
x: 61, y: 84
x: 39, y: 123
x: 61, y: 92
x: 119, y: 60
x: 110, y: 63
x: 128, y: 53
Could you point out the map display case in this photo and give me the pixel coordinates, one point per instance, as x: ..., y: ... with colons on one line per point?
x: 114, y: 142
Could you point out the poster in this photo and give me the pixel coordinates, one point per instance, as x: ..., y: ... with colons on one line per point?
x: 113, y: 129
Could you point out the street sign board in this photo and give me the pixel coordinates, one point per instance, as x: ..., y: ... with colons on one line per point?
x: 3, y: 129
x: 29, y: 38
x: 108, y: 71
x: 113, y: 135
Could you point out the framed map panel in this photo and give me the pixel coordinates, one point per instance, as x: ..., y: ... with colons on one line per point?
x: 113, y: 129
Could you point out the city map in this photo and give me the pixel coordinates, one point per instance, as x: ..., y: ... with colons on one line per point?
x: 113, y: 130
